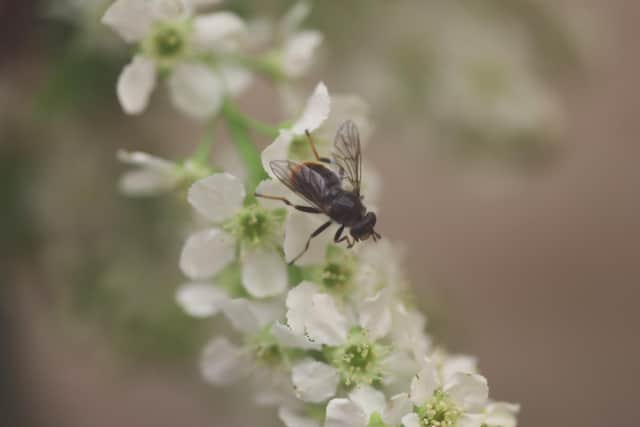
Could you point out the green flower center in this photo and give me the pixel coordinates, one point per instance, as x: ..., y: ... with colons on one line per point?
x: 337, y: 275
x: 488, y: 80
x: 440, y: 411
x: 167, y: 42
x: 265, y: 348
x: 375, y: 420
x: 255, y: 225
x: 359, y: 360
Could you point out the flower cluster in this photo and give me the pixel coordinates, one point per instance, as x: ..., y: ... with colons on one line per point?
x: 203, y: 57
x: 332, y: 337
x: 337, y: 331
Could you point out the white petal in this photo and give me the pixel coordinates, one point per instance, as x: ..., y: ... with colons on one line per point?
x: 324, y: 323
x: 400, y: 367
x: 298, y: 53
x: 241, y: 315
x: 264, y: 273
x: 501, y: 414
x: 221, y: 31
x: 294, y: 17
x: 223, y: 363
x: 202, y: 3
x: 314, y: 381
x: 135, y: 84
x: 298, y: 228
x: 469, y: 391
x: 146, y: 160
x: 458, y: 363
x: 236, y: 79
x: 170, y: 9
x: 472, y: 420
x: 347, y: 107
x: 315, y: 112
x: 268, y: 311
x: 129, y: 18
x: 277, y: 150
x: 207, y: 252
x: 424, y: 384
x: 344, y: 413
x: 146, y: 183
x: 299, y: 302
x: 399, y: 405
x: 285, y: 337
x: 195, y: 90
x: 272, y: 187
x: 217, y: 197
x: 411, y: 420
x: 200, y: 299
x: 375, y: 316
x: 368, y: 399
x: 292, y: 419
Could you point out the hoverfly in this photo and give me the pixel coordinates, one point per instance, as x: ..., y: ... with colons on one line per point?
x: 337, y: 195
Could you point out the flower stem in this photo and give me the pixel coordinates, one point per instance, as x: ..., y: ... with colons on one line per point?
x: 203, y: 151
x: 239, y: 134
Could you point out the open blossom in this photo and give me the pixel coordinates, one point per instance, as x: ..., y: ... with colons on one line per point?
x: 252, y: 229
x: 446, y: 401
x: 367, y: 407
x: 353, y: 343
x: 154, y: 175
x: 172, y: 42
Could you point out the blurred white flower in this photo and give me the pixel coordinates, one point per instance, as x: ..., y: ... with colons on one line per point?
x: 223, y: 362
x: 152, y: 175
x: 484, y: 93
x: 367, y: 407
x: 173, y: 41
x: 256, y: 230
x: 454, y: 401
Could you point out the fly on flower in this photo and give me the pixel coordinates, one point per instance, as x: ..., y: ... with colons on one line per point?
x: 336, y: 195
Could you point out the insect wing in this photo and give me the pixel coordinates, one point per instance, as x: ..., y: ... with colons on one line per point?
x: 302, y: 180
x: 348, y: 155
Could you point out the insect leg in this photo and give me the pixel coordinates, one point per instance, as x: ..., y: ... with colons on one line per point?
x: 314, y: 234
x: 339, y: 238
x: 313, y: 148
x: 307, y: 209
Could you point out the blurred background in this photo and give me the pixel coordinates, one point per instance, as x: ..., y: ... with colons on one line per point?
x: 506, y: 142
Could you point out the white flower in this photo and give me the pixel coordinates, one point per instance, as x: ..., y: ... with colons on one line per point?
x: 483, y: 86
x: 409, y: 337
x: 351, y: 344
x: 297, y: 47
x: 255, y: 229
x: 199, y: 299
x: 153, y: 175
x: 451, y: 401
x: 366, y: 407
x: 292, y: 418
x: 173, y: 40
x: 314, y: 381
x: 223, y: 362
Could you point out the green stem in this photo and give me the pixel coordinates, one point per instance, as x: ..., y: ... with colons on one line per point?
x: 203, y: 152
x: 256, y: 125
x: 238, y: 131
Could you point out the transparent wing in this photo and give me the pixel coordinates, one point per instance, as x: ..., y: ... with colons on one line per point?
x: 302, y: 180
x: 348, y: 155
